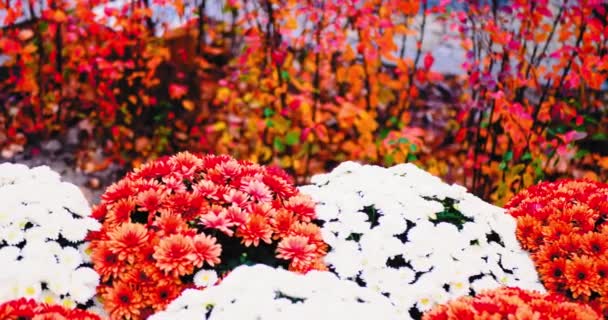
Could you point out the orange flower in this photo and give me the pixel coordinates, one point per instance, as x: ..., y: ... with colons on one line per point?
x: 595, y: 244
x: 581, y: 276
x: 552, y: 274
x: 120, y: 212
x: 105, y: 261
x: 127, y: 240
x: 169, y: 223
x: 256, y: 229
x: 282, y: 223
x: 206, y: 250
x: 528, y: 231
x: 121, y: 301
x: 175, y: 255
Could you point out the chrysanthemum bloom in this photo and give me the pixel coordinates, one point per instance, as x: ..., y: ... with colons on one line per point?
x: 43, y: 226
x: 29, y: 309
x: 511, y: 303
x: 571, y: 250
x: 419, y: 241
x: 170, y: 219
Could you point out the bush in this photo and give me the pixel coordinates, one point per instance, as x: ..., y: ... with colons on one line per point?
x: 511, y: 302
x: 43, y: 225
x: 564, y: 226
x: 404, y: 233
x: 30, y: 309
x: 262, y: 292
x: 184, y: 221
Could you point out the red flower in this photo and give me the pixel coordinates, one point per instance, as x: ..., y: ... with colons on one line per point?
x: 31, y: 309
x: 511, y: 303
x: 574, y: 243
x: 120, y: 212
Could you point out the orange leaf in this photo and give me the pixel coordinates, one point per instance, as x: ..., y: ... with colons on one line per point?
x: 188, y: 105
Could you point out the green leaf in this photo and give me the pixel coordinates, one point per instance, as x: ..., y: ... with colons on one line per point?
x: 268, y: 112
x: 411, y: 157
x: 269, y: 123
x: 43, y: 25
x: 278, y: 144
x: 403, y: 140
x: 526, y: 156
x: 393, y: 120
x: 292, y: 138
x: 389, y: 160
x: 508, y: 156
x: 502, y: 166
x: 581, y: 153
x: 600, y: 136
x: 384, y: 133
x: 285, y: 75
x: 413, y: 147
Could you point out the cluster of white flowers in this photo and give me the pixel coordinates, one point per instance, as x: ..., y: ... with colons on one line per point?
x: 43, y: 223
x: 404, y: 233
x: 262, y: 292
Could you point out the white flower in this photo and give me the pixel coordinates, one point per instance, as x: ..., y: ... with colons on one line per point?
x: 261, y: 292
x: 403, y: 219
x: 205, y: 278
x: 36, y: 211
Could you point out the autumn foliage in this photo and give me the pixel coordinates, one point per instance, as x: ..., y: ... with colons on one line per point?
x: 307, y: 84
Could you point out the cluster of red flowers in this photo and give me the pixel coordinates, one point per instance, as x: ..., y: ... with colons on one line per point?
x: 29, y: 309
x: 564, y: 225
x: 511, y: 303
x: 173, y: 217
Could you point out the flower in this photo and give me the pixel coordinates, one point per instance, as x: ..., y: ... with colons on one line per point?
x: 403, y: 232
x: 205, y: 278
x: 571, y: 241
x: 171, y: 218
x: 31, y: 309
x: 263, y: 292
x: 175, y: 254
x: 43, y: 225
x: 121, y: 301
x: 505, y: 303
x: 206, y: 250
x: 581, y: 276
x: 127, y: 240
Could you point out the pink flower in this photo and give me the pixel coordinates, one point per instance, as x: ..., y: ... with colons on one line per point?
x: 257, y: 190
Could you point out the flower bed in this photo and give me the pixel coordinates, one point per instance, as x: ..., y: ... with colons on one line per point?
x: 183, y: 221
x: 182, y: 232
x: 564, y: 226
x: 402, y: 232
x: 262, y: 292
x: 505, y: 303
x: 30, y: 309
x: 43, y: 224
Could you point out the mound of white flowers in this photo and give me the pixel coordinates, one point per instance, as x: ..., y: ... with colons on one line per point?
x: 43, y: 222
x: 262, y: 292
x: 404, y: 233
